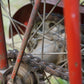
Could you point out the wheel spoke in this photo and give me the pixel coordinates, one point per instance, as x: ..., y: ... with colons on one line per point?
x: 55, y: 25
x: 3, y: 6
x: 11, y: 24
x: 56, y: 53
x: 20, y: 29
x: 32, y: 2
x: 44, y: 11
x: 47, y: 78
x: 35, y: 32
x: 15, y: 21
x: 63, y: 65
x: 50, y: 30
x: 52, y: 9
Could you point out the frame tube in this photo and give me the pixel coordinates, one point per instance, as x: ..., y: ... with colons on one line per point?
x: 72, y: 28
x: 3, y: 53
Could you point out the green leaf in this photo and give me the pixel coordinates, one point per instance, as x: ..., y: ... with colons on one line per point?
x: 61, y: 81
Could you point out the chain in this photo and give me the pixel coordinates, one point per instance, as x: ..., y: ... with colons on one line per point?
x: 41, y: 65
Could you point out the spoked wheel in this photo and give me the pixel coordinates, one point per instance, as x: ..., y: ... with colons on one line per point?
x: 47, y: 45
x: 47, y: 38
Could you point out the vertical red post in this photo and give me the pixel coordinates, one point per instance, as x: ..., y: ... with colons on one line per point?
x: 72, y: 28
x: 3, y: 54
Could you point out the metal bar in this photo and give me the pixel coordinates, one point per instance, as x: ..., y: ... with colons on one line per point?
x: 53, y: 8
x: 26, y: 37
x: 32, y: 2
x: 72, y: 28
x: 43, y: 29
x: 11, y: 24
x: 47, y: 78
x: 57, y: 53
x: 3, y: 53
x: 15, y: 21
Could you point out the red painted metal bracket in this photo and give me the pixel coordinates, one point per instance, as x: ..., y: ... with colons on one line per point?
x: 72, y: 27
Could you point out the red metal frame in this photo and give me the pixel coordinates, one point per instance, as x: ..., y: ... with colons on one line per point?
x: 72, y: 27
x: 3, y: 54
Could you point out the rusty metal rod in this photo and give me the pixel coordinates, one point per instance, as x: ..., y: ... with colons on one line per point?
x: 43, y: 29
x: 26, y: 37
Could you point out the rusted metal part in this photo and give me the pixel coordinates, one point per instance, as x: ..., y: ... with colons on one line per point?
x: 3, y: 75
x: 25, y: 76
x: 3, y: 54
x: 61, y: 4
x: 26, y: 36
x: 72, y: 28
x: 40, y: 65
x: 21, y: 13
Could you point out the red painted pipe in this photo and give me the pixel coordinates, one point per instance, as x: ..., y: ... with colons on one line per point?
x: 72, y: 28
x: 26, y: 37
x: 3, y: 54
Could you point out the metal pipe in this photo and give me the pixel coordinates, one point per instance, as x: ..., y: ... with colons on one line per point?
x: 3, y: 53
x: 72, y: 28
x: 26, y: 37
